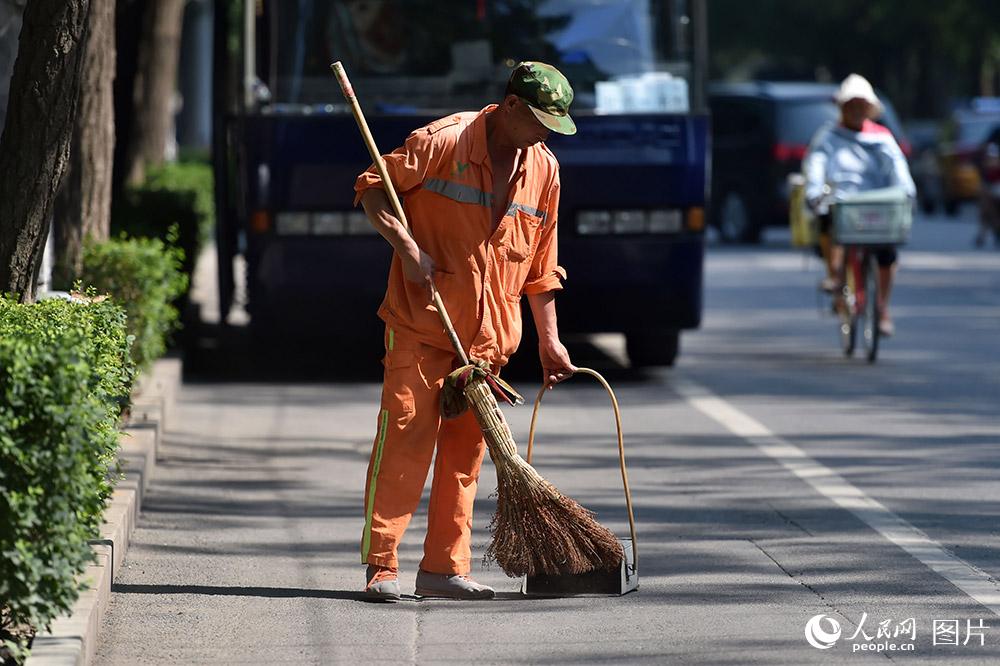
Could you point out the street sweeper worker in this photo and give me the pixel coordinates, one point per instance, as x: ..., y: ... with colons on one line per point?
x: 481, y: 193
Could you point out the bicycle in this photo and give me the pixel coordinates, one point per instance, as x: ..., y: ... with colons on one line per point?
x: 859, y: 307
x: 863, y: 223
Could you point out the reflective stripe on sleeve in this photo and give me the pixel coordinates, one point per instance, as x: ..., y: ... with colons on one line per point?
x: 525, y: 209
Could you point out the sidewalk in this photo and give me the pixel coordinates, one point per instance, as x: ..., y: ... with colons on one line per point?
x: 247, y: 552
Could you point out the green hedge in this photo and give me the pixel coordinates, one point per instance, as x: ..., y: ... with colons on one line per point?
x: 145, y: 275
x: 65, y: 377
x: 180, y: 194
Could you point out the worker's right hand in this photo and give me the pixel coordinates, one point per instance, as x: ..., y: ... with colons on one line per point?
x: 419, y: 269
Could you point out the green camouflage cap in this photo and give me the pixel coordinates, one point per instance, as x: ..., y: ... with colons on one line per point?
x: 547, y: 92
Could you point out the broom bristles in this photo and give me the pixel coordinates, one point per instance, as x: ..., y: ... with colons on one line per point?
x: 536, y: 529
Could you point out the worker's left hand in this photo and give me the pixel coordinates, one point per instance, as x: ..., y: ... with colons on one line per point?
x: 556, y: 366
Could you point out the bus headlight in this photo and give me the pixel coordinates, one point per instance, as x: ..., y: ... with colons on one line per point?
x: 291, y: 224
x: 358, y: 224
x: 591, y: 222
x: 665, y: 221
x: 658, y: 221
x: 629, y: 222
x: 328, y: 224
x: 331, y: 223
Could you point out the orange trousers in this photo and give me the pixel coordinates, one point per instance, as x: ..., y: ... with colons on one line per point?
x: 409, y: 428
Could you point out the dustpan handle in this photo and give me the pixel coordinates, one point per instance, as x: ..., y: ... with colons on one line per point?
x: 621, y: 447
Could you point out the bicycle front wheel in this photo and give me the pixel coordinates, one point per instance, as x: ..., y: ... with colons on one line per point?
x: 846, y: 309
x: 870, y: 312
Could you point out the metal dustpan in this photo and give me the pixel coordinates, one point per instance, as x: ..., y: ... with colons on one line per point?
x: 615, y: 582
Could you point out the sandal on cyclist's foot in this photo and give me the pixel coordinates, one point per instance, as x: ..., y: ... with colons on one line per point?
x: 838, y: 304
x: 830, y: 285
x: 886, y: 328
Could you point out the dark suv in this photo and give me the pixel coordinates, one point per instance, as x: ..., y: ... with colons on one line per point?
x: 760, y: 131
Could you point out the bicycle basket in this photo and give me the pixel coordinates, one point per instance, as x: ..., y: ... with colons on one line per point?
x: 875, y: 217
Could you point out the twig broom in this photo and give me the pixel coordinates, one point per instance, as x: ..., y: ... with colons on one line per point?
x: 536, y: 529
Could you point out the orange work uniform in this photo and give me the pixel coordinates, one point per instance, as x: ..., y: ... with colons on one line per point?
x: 444, y: 176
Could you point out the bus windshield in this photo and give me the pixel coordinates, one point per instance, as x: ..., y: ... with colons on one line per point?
x: 416, y: 55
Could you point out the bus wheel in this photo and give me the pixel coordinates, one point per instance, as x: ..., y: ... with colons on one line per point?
x: 927, y: 203
x: 652, y: 348
x: 734, y: 219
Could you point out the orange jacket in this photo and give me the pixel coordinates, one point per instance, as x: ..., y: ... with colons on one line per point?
x: 444, y: 177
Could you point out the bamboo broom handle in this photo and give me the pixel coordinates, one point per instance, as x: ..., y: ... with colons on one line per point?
x: 359, y: 116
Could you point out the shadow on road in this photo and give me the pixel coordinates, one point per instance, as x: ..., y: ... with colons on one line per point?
x: 219, y: 354
x: 217, y: 591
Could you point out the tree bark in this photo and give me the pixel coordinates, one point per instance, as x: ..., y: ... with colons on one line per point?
x: 83, y: 206
x: 34, y: 150
x: 155, y: 82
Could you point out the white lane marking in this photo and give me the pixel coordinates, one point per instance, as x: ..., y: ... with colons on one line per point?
x: 974, y: 582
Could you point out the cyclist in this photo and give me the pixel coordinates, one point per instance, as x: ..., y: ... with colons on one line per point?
x: 989, y: 194
x: 853, y: 155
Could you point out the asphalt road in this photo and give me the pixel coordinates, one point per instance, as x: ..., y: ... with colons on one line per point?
x: 774, y: 481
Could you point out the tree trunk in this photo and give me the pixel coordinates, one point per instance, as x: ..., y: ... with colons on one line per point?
x: 34, y: 150
x: 155, y: 81
x: 83, y: 207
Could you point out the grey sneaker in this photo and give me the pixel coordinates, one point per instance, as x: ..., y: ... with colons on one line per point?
x: 451, y: 586
x: 383, y: 584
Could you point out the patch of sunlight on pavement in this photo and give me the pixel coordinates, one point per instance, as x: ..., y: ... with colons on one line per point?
x: 796, y: 261
x: 612, y: 344
x: 935, y: 261
x: 753, y: 319
x: 790, y: 262
x: 205, y: 290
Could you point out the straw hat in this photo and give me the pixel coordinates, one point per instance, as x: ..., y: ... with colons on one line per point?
x: 856, y: 86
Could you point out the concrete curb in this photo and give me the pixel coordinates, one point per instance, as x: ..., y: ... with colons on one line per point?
x: 73, y: 639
